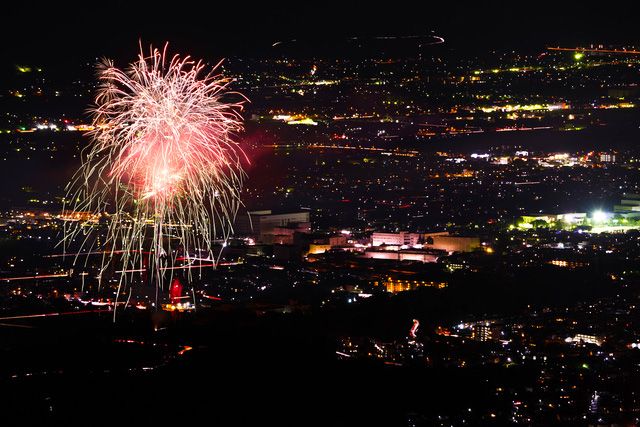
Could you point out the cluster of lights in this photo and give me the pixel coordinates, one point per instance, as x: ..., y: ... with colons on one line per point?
x: 181, y: 306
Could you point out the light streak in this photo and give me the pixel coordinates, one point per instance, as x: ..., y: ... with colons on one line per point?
x: 91, y: 253
x: 582, y: 49
x: 184, y: 350
x: 41, y: 276
x: 54, y: 314
x: 414, y: 328
x: 179, y: 267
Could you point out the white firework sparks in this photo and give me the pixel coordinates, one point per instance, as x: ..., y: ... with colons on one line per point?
x: 163, y: 167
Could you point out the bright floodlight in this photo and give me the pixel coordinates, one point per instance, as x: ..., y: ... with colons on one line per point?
x: 599, y: 216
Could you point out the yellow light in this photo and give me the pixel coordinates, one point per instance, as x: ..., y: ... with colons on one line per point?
x: 304, y: 121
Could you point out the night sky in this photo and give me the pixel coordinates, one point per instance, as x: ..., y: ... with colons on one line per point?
x: 71, y: 31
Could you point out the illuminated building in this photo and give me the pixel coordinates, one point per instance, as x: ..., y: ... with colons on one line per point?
x: 630, y: 205
x: 402, y: 285
x: 295, y: 119
x: 278, y: 235
x: 571, y: 218
x: 568, y: 263
x: 446, y: 242
x: 270, y: 227
x: 318, y: 248
x: 181, y: 306
x: 486, y: 331
x: 585, y: 339
x: 608, y: 157
x: 339, y: 240
x: 441, y: 241
x: 403, y: 255
x: 403, y: 238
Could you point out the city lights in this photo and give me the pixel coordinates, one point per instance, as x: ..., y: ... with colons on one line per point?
x: 391, y: 228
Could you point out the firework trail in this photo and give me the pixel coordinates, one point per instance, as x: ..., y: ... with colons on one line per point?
x: 162, y: 170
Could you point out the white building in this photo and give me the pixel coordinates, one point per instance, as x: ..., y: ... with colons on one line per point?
x: 395, y: 239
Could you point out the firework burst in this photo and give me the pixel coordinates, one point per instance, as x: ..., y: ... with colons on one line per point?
x: 162, y: 169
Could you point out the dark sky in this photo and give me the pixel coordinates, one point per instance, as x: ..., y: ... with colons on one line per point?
x: 66, y: 31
